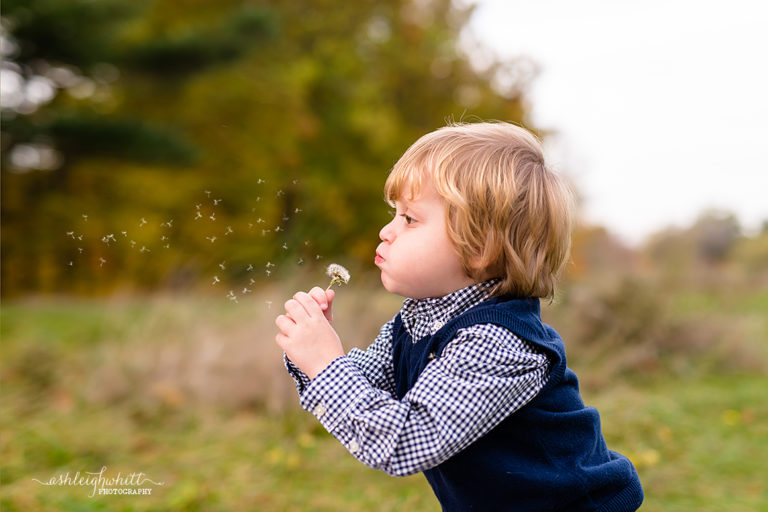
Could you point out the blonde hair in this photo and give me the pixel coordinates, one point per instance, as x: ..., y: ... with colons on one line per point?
x: 507, y: 214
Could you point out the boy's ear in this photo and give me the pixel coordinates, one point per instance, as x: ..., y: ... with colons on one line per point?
x: 481, y: 270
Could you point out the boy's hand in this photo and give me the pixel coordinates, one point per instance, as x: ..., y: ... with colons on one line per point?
x: 324, y: 299
x: 306, y: 334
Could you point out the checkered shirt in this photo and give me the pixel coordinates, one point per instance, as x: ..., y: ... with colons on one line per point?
x: 484, y: 374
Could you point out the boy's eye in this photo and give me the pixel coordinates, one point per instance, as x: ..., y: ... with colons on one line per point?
x: 408, y: 219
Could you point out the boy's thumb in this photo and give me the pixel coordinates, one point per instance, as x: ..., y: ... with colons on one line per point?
x: 328, y: 312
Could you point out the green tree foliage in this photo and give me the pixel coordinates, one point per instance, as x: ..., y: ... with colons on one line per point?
x: 221, y: 137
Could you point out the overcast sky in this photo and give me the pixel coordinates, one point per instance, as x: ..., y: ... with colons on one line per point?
x: 661, y: 106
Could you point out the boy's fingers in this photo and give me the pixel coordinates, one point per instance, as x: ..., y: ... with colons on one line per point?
x: 282, y: 340
x: 318, y: 294
x: 296, y: 310
x: 284, y: 323
x: 309, y: 304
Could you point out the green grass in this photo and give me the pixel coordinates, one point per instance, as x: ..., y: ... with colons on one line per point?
x: 698, y: 444
x: 129, y: 385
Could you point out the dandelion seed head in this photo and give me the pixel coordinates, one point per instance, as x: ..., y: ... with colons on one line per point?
x: 338, y: 274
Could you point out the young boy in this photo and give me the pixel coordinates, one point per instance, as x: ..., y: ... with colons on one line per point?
x: 465, y: 383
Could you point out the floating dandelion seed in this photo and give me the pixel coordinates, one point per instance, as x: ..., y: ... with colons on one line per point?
x: 223, y: 265
x: 211, y: 238
x: 297, y: 210
x: 269, y: 304
x: 80, y: 250
x: 301, y: 261
x: 338, y: 274
x: 102, y: 261
x: 216, y: 202
x: 229, y: 230
x: 142, y: 221
x: 250, y: 267
x: 167, y: 246
x: 125, y: 233
x: 285, y: 246
x: 252, y: 281
x: 208, y: 193
x: 71, y: 233
x: 246, y: 290
x: 213, y: 216
x: 143, y: 249
x: 133, y: 243
x: 198, y: 205
x: 215, y: 279
x: 260, y: 221
x: 85, y: 217
x: 71, y: 263
x: 79, y: 237
x: 269, y: 272
x: 278, y: 228
x: 260, y: 181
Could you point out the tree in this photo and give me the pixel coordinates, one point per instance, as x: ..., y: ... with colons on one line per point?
x: 288, y: 114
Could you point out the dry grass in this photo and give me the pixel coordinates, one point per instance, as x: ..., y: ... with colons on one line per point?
x: 176, y: 351
x: 191, y: 389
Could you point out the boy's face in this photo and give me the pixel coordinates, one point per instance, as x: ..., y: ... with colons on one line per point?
x: 416, y: 257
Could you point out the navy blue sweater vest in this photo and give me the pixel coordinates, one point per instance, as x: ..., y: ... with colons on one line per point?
x: 548, y: 456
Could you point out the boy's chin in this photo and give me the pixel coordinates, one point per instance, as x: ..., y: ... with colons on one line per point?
x: 393, y: 287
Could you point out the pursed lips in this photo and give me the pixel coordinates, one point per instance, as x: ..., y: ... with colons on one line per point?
x: 379, y: 258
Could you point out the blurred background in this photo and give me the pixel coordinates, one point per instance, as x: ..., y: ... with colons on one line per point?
x: 173, y: 171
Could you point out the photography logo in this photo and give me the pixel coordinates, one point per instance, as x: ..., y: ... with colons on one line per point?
x: 101, y: 484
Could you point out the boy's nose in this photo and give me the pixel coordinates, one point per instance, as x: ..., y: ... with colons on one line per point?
x: 386, y: 232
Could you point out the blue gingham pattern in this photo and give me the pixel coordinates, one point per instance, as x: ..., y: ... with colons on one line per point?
x: 483, y: 375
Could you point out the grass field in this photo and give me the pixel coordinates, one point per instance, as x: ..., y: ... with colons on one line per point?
x: 191, y: 393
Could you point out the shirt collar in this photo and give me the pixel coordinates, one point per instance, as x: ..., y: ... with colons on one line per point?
x: 422, y: 317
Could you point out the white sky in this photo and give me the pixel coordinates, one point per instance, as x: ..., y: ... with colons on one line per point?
x: 661, y: 106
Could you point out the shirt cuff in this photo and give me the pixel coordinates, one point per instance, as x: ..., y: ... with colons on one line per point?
x: 299, y: 377
x: 333, y: 392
